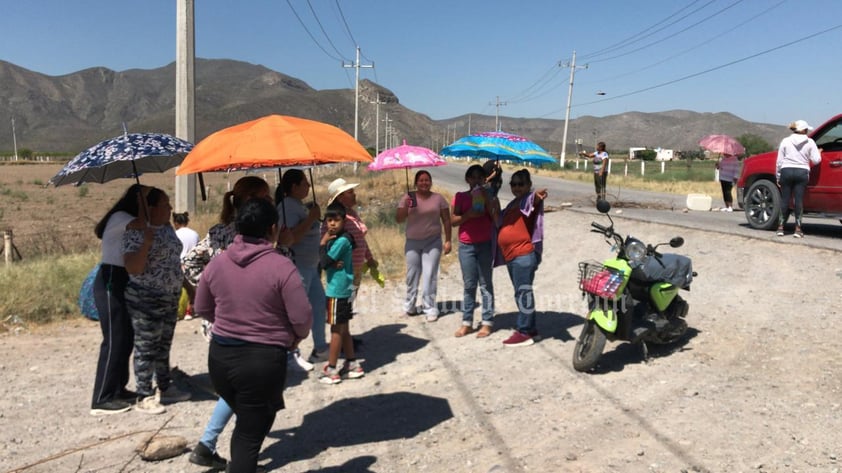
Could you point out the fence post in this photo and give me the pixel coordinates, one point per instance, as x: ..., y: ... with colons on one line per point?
x: 663, y: 164
x: 642, y: 167
x: 7, y: 246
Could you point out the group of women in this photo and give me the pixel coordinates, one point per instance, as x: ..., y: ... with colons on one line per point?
x: 253, y: 270
x: 487, y: 237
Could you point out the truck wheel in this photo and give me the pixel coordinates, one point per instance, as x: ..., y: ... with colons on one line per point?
x: 762, y: 204
x: 589, y: 347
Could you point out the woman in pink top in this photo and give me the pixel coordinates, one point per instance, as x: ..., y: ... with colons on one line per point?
x: 474, y: 212
x: 425, y: 213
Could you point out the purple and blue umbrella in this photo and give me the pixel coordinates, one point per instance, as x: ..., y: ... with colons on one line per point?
x: 406, y: 156
x: 498, y: 145
x: 127, y: 155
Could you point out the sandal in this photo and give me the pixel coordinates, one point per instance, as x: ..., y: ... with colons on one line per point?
x: 463, y: 330
x: 484, y: 331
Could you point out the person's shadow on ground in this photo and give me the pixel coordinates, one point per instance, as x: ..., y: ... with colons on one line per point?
x: 550, y: 324
x: 356, y: 421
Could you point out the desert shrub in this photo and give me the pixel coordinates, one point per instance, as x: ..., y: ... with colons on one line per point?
x: 45, y: 290
x: 83, y: 191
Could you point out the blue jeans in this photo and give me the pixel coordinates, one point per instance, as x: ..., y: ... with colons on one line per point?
x: 475, y: 260
x: 316, y: 295
x: 222, y: 413
x: 522, y: 273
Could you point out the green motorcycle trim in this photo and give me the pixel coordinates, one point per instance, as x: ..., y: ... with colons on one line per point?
x: 621, y: 266
x: 606, y: 319
x: 662, y: 295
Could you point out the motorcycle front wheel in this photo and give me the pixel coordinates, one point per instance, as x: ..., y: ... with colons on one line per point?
x: 589, y: 347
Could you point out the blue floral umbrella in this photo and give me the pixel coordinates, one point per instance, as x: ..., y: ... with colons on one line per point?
x: 498, y: 145
x: 127, y: 155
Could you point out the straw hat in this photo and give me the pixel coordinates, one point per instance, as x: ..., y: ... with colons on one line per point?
x: 337, y: 187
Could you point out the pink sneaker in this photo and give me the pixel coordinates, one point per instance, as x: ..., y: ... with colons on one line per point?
x: 518, y: 339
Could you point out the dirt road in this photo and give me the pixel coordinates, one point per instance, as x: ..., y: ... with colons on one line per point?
x: 754, y: 388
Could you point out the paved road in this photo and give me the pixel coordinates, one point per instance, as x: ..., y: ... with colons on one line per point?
x: 650, y: 207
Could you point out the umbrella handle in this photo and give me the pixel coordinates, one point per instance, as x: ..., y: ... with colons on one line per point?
x: 312, y: 185
x: 202, y: 185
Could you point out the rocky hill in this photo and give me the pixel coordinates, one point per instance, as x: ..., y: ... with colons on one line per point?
x: 71, y: 112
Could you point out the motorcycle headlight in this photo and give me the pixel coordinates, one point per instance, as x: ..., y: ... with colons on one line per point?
x: 635, y: 252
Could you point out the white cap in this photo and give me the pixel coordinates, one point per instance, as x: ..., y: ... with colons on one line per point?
x: 800, y: 125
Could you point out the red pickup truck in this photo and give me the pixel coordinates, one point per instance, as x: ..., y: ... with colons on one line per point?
x: 760, y: 197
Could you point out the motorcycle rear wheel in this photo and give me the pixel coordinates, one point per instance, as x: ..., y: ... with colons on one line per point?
x: 589, y: 347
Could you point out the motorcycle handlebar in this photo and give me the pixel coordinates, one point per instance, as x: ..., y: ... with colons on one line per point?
x: 599, y: 227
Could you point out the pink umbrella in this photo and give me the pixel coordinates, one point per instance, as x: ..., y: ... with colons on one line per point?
x: 406, y: 157
x: 722, y: 144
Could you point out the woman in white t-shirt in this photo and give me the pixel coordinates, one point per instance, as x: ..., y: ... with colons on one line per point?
x: 425, y: 213
x: 600, y: 169
x: 189, y: 238
x: 112, y: 370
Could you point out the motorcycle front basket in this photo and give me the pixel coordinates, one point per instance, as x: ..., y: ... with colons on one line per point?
x: 596, y: 279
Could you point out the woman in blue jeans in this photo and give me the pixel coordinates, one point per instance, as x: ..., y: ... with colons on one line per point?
x: 520, y: 240
x: 474, y: 212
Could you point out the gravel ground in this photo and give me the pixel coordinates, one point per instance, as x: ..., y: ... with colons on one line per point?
x: 755, y: 387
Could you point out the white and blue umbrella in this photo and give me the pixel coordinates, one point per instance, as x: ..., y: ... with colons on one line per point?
x: 498, y: 145
x: 127, y: 155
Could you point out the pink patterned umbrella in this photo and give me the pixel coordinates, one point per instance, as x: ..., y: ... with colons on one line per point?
x: 406, y: 157
x: 722, y: 144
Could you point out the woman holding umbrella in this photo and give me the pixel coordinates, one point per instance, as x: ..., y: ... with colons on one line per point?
x: 425, y: 213
x: 112, y: 371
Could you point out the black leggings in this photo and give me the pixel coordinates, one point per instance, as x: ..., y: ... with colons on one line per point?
x: 112, y: 369
x: 727, y: 186
x: 250, y: 377
x: 793, y: 185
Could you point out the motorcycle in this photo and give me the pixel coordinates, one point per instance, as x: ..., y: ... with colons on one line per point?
x: 633, y: 296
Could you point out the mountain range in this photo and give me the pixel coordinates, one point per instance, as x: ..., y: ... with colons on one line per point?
x: 71, y: 112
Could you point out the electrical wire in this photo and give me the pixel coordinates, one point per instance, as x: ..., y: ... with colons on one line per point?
x: 706, y: 71
x: 345, y: 22
x: 321, y: 27
x: 716, y: 36
x: 670, y: 36
x: 623, y: 42
x: 301, y: 22
x: 526, y: 94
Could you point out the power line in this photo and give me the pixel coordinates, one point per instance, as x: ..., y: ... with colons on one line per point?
x: 706, y: 71
x: 321, y: 27
x: 716, y: 36
x: 625, y: 41
x: 311, y: 34
x: 670, y: 36
x: 527, y: 94
x: 347, y: 29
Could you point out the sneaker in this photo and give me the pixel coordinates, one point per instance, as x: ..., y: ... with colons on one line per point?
x: 203, y: 456
x: 188, y: 314
x: 352, y: 370
x: 798, y: 233
x: 173, y: 394
x: 431, y: 317
x: 300, y: 362
x: 150, y: 404
x: 729, y: 209
x: 110, y: 407
x: 780, y: 231
x: 126, y: 396
x: 206, y: 330
x: 330, y: 376
x: 318, y: 356
x: 518, y: 339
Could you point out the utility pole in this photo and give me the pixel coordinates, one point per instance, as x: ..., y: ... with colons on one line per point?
x: 356, y: 65
x: 572, y: 66
x: 377, y: 125
x: 185, y: 91
x: 497, y: 104
x: 14, y: 138
x: 387, y: 127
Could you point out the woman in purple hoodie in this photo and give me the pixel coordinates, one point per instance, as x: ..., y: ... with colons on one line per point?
x: 256, y: 301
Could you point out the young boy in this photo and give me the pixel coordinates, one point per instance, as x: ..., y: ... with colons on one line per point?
x: 336, y: 248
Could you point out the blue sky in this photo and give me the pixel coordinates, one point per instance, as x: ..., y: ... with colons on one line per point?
x: 451, y: 57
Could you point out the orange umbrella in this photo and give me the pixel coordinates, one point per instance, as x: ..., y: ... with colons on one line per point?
x: 273, y: 141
